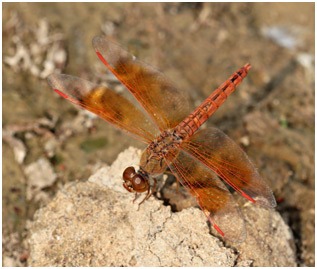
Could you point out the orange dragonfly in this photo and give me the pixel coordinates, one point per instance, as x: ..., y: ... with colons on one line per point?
x: 199, y: 159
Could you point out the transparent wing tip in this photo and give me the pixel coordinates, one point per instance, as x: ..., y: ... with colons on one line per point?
x: 53, y: 79
x: 96, y: 41
x: 268, y: 202
x: 100, y: 43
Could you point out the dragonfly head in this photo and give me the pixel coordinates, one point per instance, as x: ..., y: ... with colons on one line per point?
x: 133, y: 181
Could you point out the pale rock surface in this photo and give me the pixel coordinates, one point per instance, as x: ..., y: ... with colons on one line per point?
x: 40, y: 174
x: 95, y: 223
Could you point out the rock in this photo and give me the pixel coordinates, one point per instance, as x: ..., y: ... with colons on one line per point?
x: 17, y: 145
x: 95, y: 223
x: 12, y: 249
x: 9, y: 262
x: 40, y: 174
x: 269, y: 241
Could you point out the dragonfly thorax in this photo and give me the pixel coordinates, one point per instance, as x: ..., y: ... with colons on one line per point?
x: 166, y: 141
x: 153, y: 157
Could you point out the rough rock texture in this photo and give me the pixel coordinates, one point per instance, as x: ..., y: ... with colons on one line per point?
x: 94, y: 223
x: 269, y: 242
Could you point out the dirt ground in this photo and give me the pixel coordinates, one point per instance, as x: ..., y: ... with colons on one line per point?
x: 198, y: 46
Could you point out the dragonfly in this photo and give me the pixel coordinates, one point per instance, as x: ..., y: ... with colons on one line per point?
x: 204, y: 161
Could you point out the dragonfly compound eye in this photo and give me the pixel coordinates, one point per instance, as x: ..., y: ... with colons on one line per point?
x: 139, y: 183
x: 128, y: 174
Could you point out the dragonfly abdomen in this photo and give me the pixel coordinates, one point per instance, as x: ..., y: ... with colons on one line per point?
x: 191, y: 124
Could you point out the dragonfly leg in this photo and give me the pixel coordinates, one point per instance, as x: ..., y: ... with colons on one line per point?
x: 169, y: 172
x: 177, y: 182
x: 149, y: 193
x: 136, y: 197
x: 127, y: 188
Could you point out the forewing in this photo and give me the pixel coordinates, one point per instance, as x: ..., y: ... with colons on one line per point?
x: 217, y: 151
x: 211, y: 194
x: 165, y: 104
x: 105, y: 103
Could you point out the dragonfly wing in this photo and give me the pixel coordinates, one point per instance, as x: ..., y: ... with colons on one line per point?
x: 165, y: 104
x: 217, y: 151
x: 211, y: 194
x: 105, y: 103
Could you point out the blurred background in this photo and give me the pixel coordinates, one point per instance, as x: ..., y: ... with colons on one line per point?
x: 47, y: 141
